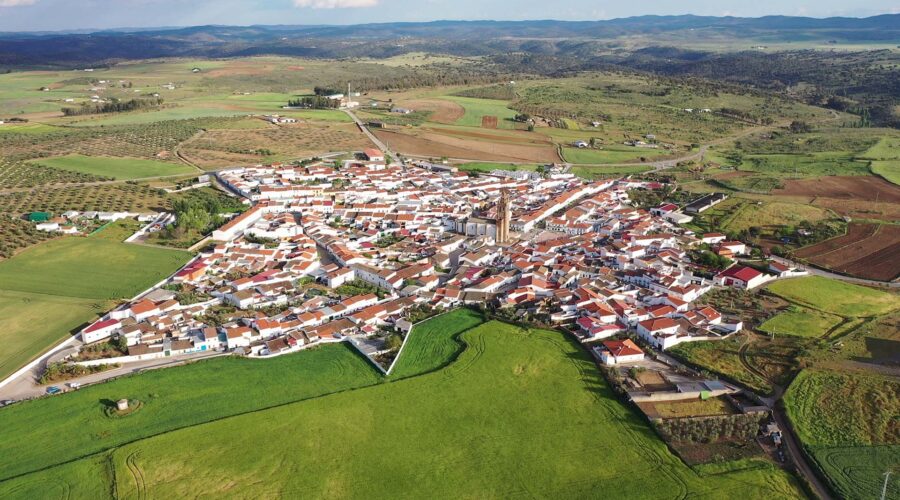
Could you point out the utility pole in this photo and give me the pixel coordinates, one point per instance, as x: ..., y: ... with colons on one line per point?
x: 884, y: 488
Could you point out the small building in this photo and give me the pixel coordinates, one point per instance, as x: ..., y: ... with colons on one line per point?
x: 373, y: 154
x: 122, y: 404
x: 617, y: 352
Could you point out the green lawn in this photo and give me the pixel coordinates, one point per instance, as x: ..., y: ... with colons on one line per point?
x: 836, y: 296
x: 435, y: 343
x: 31, y: 322
x: 801, y: 322
x: 97, y: 267
x: 115, y: 168
x: 478, y: 108
x: 517, y: 414
x: 172, y: 398
x: 609, y: 155
x: 848, y: 422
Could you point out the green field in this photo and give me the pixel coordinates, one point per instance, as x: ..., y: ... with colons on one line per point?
x: 770, y: 213
x: 115, y: 168
x: 848, y: 423
x: 611, y: 155
x: 435, y: 343
x: 836, y: 296
x: 801, y: 322
x: 478, y: 108
x: 591, y: 173
x: 172, y: 398
x: 142, y: 117
x: 518, y: 413
x: 322, y: 115
x: 57, y: 286
x: 30, y: 322
x: 889, y: 169
x: 98, y: 267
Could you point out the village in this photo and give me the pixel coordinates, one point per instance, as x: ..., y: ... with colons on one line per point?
x: 359, y: 250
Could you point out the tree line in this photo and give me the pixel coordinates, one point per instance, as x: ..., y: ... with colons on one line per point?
x: 113, y: 106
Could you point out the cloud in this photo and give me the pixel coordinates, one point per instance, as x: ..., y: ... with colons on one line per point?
x: 16, y: 3
x: 324, y: 4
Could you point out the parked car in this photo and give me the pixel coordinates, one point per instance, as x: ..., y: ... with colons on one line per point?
x: 53, y: 390
x: 7, y: 402
x: 74, y: 385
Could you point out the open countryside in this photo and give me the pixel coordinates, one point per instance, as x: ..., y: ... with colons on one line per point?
x: 296, y: 257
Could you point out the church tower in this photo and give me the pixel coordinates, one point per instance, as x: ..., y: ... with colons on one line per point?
x: 504, y: 215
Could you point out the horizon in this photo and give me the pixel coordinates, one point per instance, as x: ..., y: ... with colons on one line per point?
x: 49, y: 16
x: 375, y: 23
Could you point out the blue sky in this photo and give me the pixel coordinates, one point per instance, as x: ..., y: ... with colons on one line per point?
x: 33, y: 15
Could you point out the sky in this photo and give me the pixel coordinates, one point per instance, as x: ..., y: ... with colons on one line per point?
x: 51, y: 15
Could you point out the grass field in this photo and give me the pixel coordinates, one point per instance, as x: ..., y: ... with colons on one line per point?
x: 801, y: 322
x: 115, y: 168
x: 889, y: 169
x: 30, y: 322
x: 609, y: 155
x: 836, y: 296
x: 435, y: 343
x: 518, y: 413
x: 476, y: 109
x: 591, y: 173
x: 722, y: 357
x: 848, y: 422
x: 172, y: 398
x: 50, y: 289
x: 98, y: 267
x: 771, y: 214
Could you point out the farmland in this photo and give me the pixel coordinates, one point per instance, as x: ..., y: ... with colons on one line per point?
x: 105, y: 198
x: 611, y: 155
x: 476, y: 109
x: 175, y: 398
x: 20, y: 312
x: 802, y: 322
x: 435, y: 343
x: 115, y: 168
x: 830, y: 295
x: 846, y: 421
x: 866, y: 250
x: 96, y: 267
x: 521, y: 435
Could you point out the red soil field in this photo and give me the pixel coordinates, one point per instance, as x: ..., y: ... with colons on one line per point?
x: 869, y: 251
x: 488, y: 122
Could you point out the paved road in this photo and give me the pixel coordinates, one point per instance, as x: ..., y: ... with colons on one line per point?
x: 375, y: 140
x: 849, y: 279
x: 26, y: 386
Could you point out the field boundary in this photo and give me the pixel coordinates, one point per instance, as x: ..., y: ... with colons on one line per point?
x: 456, y: 338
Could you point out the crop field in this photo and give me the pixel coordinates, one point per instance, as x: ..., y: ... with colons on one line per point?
x: 867, y: 250
x: 173, y: 398
x: 435, y: 343
x: 865, y: 197
x: 422, y: 142
x: 18, y: 234
x: 105, y: 198
x: 94, y: 267
x: 611, y: 155
x: 30, y: 322
x: 771, y: 215
x: 115, y: 168
x: 476, y: 109
x: 532, y: 429
x: 19, y: 174
x: 835, y: 296
x: 219, y: 148
x: 801, y: 322
x: 848, y: 422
